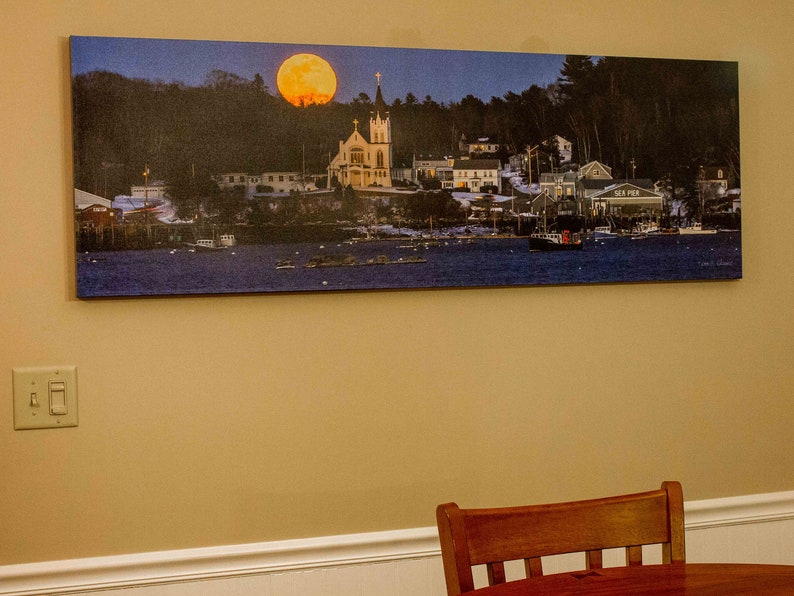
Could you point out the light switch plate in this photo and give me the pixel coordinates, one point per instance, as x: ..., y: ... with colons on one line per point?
x: 45, y: 397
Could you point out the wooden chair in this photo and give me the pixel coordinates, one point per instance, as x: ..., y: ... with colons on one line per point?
x: 490, y: 537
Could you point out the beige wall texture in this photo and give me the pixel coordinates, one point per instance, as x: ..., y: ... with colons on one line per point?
x: 224, y: 420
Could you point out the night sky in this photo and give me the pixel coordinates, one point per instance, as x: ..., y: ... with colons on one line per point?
x: 444, y: 75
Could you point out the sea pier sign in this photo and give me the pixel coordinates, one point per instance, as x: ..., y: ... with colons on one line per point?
x: 627, y: 194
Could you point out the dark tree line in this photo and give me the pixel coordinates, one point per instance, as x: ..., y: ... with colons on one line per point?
x: 646, y: 118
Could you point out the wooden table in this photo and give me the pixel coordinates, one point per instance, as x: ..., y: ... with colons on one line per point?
x: 677, y: 578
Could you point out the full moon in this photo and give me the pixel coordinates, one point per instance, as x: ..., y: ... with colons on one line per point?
x: 305, y: 79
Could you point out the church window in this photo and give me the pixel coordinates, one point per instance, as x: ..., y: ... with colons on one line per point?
x: 357, y: 156
x: 380, y: 159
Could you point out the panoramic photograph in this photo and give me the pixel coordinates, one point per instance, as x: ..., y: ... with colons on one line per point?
x: 220, y: 167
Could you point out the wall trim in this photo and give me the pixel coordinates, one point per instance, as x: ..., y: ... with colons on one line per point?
x: 164, y: 567
x: 733, y: 511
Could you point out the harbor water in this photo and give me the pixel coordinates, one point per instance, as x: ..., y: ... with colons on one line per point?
x: 395, y: 264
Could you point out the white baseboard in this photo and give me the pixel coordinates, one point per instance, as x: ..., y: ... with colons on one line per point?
x: 332, y: 553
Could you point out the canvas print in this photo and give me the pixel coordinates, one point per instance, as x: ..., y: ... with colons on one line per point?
x: 207, y: 167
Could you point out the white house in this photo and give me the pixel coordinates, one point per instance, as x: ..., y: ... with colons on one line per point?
x: 154, y: 190
x: 430, y: 169
x: 481, y: 145
x: 474, y: 174
x: 564, y: 147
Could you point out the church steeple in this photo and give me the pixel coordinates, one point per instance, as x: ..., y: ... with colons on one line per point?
x: 380, y: 138
x: 380, y: 104
x: 379, y: 121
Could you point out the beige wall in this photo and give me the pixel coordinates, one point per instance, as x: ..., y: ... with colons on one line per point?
x: 221, y: 420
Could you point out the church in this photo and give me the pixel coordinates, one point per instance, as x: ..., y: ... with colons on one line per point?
x: 363, y: 162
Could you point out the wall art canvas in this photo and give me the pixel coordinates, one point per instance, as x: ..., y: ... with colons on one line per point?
x: 208, y: 167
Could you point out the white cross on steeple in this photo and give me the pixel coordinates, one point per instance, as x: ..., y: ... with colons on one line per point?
x: 378, y: 75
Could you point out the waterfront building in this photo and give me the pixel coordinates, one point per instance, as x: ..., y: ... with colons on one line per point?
x: 624, y: 198
x: 83, y: 199
x: 362, y: 161
x: 97, y: 216
x: 156, y: 189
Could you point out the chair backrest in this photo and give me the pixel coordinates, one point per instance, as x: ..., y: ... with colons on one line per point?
x: 471, y: 537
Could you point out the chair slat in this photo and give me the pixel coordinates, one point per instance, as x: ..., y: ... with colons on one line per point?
x: 496, y: 573
x: 633, y: 555
x: 595, y: 559
x: 533, y: 567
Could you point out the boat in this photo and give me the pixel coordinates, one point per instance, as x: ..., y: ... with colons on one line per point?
x: 646, y: 228
x: 608, y: 231
x: 548, y: 241
x: 228, y: 240
x: 695, y: 228
x: 285, y: 264
x: 206, y: 244
x: 602, y: 232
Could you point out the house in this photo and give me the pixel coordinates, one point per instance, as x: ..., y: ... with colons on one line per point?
x: 365, y: 161
x: 433, y: 169
x: 483, y: 145
x: 713, y: 176
x: 564, y: 148
x: 475, y: 174
x: 157, y: 189
x: 595, y: 170
x: 561, y: 186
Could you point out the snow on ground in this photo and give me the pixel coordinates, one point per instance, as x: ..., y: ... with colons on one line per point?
x: 164, y: 210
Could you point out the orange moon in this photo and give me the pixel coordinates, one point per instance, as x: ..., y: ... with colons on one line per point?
x: 305, y: 79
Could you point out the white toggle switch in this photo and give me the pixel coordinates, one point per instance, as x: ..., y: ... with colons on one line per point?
x: 45, y: 397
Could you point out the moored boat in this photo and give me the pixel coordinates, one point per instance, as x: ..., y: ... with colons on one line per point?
x: 206, y: 244
x: 228, y: 240
x: 548, y: 241
x: 695, y: 228
x: 601, y: 232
